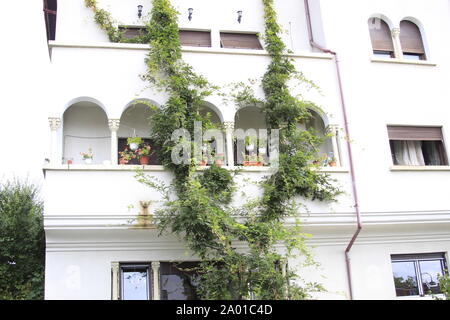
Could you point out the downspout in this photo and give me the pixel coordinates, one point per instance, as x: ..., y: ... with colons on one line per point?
x: 349, y: 147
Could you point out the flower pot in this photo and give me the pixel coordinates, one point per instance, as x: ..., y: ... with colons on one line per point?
x: 123, y: 161
x: 144, y: 160
x: 218, y: 162
x: 262, y: 150
x: 332, y: 163
x: 252, y: 163
x: 134, y: 146
x: 202, y: 163
x: 69, y: 161
x: 87, y: 160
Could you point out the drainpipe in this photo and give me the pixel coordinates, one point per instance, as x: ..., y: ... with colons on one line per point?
x: 349, y: 147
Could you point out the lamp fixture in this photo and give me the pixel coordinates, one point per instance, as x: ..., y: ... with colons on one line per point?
x: 140, y: 11
x: 239, y: 16
x: 190, y: 10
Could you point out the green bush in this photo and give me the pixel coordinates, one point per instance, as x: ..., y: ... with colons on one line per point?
x: 22, y: 242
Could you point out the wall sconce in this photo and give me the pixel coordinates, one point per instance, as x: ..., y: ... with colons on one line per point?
x: 140, y: 11
x: 239, y: 16
x: 190, y: 10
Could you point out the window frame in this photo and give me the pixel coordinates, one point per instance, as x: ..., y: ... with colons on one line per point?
x: 441, y: 146
x: 222, y: 45
x: 147, y: 267
x: 416, y: 259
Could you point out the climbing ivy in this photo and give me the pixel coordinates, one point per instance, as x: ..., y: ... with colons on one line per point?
x: 198, y: 205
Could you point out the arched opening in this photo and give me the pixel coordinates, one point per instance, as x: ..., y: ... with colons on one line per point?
x: 381, y: 37
x: 250, y: 145
x: 85, y: 130
x: 214, y: 145
x: 135, y: 122
x: 411, y: 41
x: 315, y: 124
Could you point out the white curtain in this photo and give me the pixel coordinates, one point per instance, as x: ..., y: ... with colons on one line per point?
x: 409, y: 153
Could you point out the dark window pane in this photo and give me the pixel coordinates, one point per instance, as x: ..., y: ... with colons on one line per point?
x: 429, y: 271
x: 179, y: 281
x: 135, y: 285
x: 405, y: 279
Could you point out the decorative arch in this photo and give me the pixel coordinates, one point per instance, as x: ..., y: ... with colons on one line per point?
x: 214, y: 108
x: 383, y: 17
x: 84, y: 99
x: 381, y: 35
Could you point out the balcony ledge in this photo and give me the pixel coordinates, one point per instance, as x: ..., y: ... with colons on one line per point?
x: 404, y: 61
x: 102, y: 167
x: 420, y: 168
x: 134, y: 46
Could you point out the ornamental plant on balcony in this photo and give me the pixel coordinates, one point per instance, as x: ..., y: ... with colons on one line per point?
x: 143, y: 154
x: 87, y: 156
x: 253, y: 160
x: 126, y: 156
x: 134, y: 142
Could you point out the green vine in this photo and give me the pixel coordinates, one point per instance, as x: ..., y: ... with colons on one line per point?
x: 202, y: 213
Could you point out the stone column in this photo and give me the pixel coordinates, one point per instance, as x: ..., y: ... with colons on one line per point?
x: 114, y: 127
x: 397, y: 44
x: 115, y: 281
x: 334, y: 140
x: 156, y: 290
x: 54, y: 123
x: 229, y: 128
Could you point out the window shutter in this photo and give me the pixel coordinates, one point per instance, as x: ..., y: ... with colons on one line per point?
x: 240, y: 41
x: 410, y: 38
x: 415, y: 133
x: 131, y: 32
x: 380, y: 34
x: 195, y: 38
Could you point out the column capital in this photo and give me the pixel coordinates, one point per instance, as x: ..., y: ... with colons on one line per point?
x: 115, y: 266
x: 54, y: 123
x: 155, y: 265
x: 114, y: 124
x: 395, y: 32
x: 228, y: 125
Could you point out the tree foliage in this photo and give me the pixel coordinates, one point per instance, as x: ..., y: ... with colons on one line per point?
x: 22, y: 242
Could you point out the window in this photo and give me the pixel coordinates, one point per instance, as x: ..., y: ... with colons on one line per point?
x: 140, y: 281
x: 417, y: 146
x: 195, y: 38
x: 130, y: 32
x: 179, y: 281
x: 135, y: 282
x: 417, y: 274
x: 411, y: 40
x: 240, y: 41
x: 381, y: 37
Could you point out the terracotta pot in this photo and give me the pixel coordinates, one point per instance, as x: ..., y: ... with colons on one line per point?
x: 218, y: 162
x: 144, y: 160
x: 252, y: 163
x: 69, y: 162
x: 202, y: 163
x: 123, y: 161
x: 332, y: 163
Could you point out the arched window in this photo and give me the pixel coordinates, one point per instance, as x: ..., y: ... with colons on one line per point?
x: 381, y: 37
x: 411, y: 40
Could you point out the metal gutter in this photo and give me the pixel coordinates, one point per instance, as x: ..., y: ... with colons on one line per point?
x: 349, y: 147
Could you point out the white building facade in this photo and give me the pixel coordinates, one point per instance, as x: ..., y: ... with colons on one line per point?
x: 388, y: 110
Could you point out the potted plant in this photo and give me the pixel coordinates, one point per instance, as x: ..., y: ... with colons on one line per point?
x: 218, y: 159
x: 250, y: 142
x: 331, y: 160
x: 143, y: 154
x: 87, y: 156
x: 126, y: 156
x: 204, y: 161
x: 253, y: 160
x: 134, y: 143
x: 321, y: 160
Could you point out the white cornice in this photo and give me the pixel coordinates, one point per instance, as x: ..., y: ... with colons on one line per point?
x: 134, y: 46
